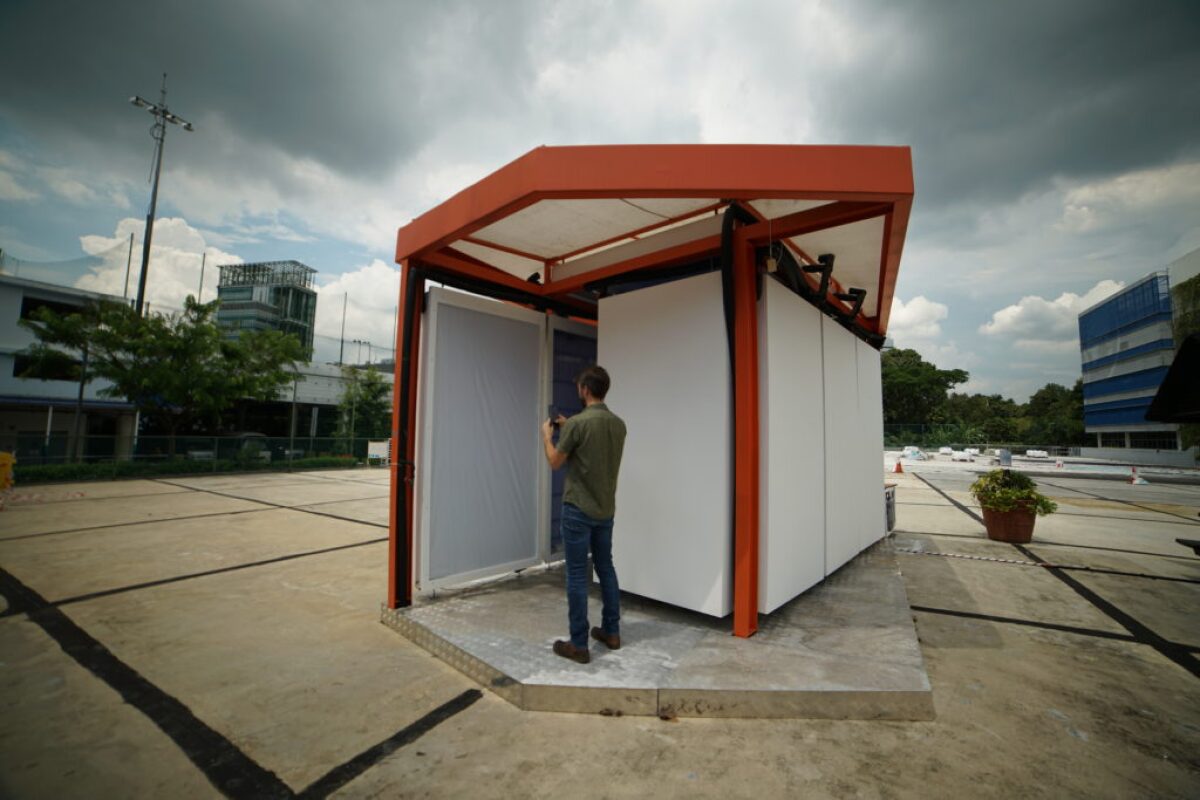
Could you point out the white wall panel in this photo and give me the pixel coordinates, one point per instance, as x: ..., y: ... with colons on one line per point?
x: 666, y: 350
x: 791, y: 535
x: 480, y: 479
x: 843, y: 481
x: 870, y: 413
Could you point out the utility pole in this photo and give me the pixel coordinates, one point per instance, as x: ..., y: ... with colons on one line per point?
x: 162, y: 115
x: 128, y: 262
x: 200, y: 292
x: 342, y: 347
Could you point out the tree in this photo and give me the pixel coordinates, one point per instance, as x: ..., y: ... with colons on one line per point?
x: 365, y: 409
x: 1055, y: 415
x: 992, y: 415
x: 913, y: 389
x: 178, y: 369
x: 62, y: 350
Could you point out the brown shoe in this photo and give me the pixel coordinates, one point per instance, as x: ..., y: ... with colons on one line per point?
x: 568, y: 650
x: 611, y: 642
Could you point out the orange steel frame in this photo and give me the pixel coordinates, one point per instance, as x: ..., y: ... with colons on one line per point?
x: 862, y: 183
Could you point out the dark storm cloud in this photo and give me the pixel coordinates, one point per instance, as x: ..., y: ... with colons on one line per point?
x: 995, y: 97
x: 999, y: 97
x: 352, y: 85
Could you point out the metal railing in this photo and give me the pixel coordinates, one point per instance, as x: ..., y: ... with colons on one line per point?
x: 959, y: 437
x: 58, y: 457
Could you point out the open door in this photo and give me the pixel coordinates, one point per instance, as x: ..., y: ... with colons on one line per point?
x: 481, y: 476
x: 572, y: 348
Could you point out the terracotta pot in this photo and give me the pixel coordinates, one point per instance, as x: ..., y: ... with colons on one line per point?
x: 1014, y: 526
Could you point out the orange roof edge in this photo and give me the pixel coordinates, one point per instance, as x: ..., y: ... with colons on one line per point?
x: 733, y: 171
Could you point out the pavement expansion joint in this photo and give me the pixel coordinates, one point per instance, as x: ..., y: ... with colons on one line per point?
x: 846, y: 649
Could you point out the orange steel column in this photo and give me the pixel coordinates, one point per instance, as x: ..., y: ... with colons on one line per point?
x: 403, y: 450
x: 745, y: 439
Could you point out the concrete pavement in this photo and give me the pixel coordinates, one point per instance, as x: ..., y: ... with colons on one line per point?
x: 219, y: 635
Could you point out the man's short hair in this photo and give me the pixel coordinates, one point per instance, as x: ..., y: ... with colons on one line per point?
x: 595, y: 379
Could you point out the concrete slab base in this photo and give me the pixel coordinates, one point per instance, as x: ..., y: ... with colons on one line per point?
x: 846, y: 649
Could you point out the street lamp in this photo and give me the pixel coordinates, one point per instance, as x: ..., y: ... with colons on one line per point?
x: 162, y: 115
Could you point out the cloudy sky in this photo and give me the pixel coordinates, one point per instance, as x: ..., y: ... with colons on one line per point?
x: 1056, y: 144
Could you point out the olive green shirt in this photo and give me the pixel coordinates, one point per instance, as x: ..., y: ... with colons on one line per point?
x: 593, y: 441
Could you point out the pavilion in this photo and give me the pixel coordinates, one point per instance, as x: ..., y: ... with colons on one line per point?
x: 561, y: 230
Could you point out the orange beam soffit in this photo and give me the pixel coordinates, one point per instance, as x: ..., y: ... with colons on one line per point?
x: 813, y: 219
x: 895, y: 231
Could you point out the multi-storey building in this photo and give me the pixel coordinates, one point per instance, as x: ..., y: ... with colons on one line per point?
x: 37, y: 414
x: 269, y: 295
x: 1127, y: 344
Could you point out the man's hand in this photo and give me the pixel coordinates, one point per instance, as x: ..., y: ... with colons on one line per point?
x: 553, y: 457
x: 560, y: 421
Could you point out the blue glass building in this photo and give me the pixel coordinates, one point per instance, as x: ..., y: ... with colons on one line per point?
x: 1127, y: 345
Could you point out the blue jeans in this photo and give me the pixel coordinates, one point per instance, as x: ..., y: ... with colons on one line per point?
x: 581, y: 533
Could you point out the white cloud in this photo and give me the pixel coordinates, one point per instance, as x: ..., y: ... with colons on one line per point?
x: 370, y: 294
x: 917, y: 325
x: 949, y: 356
x: 1046, y: 326
x: 176, y: 253
x: 68, y: 186
x: 371, y: 291
x: 12, y: 190
x: 655, y: 74
x: 919, y: 318
x: 1093, y: 205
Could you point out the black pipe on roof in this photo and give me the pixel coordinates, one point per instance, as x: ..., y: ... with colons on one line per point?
x: 645, y: 277
x: 414, y: 290
x: 499, y: 292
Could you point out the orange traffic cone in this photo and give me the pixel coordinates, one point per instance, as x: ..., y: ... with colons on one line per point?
x: 898, y: 468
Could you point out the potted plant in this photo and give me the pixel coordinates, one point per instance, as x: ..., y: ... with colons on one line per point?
x: 1011, y: 504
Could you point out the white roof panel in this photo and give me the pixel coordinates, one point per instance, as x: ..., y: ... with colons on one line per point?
x: 512, y: 264
x: 552, y: 228
x: 774, y: 209
x: 858, y: 248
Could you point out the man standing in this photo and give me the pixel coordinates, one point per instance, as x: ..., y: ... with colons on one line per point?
x: 590, y: 444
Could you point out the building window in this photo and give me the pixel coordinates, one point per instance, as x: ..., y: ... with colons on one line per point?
x: 236, y: 293
x: 53, y: 371
x: 32, y: 304
x: 1153, y: 440
x: 1112, y: 440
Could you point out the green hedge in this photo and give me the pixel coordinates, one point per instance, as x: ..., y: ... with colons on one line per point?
x: 24, y: 475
